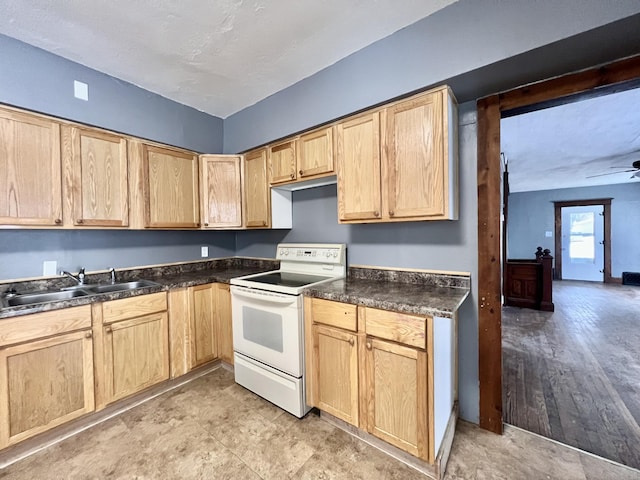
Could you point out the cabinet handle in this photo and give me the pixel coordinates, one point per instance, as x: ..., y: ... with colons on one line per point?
x: 300, y: 172
x: 376, y: 214
x: 391, y: 213
x: 80, y: 220
x: 293, y: 175
x: 352, y: 342
x: 264, y: 223
x: 206, y: 224
x: 58, y: 221
x: 108, y: 330
x: 88, y: 335
x: 368, y: 345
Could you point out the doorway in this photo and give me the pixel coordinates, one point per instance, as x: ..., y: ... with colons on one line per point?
x: 582, y: 240
x: 619, y: 75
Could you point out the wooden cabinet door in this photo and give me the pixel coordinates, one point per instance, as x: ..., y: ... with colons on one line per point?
x: 414, y: 165
x: 258, y: 205
x: 136, y: 355
x: 315, y: 153
x: 359, y: 196
x: 220, y: 191
x: 171, y: 188
x: 99, y: 176
x: 335, y: 358
x: 396, y: 378
x: 282, y: 162
x: 202, y: 331
x: 43, y: 384
x: 223, y: 321
x: 30, y: 170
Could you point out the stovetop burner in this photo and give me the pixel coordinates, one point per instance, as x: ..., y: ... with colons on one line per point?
x: 287, y: 279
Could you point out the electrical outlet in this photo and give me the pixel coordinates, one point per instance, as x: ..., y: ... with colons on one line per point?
x: 548, y: 234
x: 81, y: 90
x: 204, y: 252
x: 49, y: 268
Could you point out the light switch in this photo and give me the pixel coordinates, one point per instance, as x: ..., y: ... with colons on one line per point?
x: 81, y: 90
x: 548, y: 234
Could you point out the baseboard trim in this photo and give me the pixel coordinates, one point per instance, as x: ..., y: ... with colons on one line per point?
x: 46, y: 439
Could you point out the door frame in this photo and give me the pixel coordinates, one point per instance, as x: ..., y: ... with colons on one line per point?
x: 616, y: 76
x: 606, y: 204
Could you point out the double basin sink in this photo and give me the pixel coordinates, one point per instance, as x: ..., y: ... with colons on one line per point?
x: 14, y: 300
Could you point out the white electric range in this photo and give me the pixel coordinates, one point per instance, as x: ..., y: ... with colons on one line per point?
x: 268, y: 321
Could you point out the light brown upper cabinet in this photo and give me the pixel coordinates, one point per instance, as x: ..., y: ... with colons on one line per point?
x: 301, y: 158
x: 359, y: 188
x: 221, y: 191
x: 257, y: 195
x: 170, y: 181
x: 282, y: 162
x: 416, y: 176
x: 96, y: 175
x: 30, y: 170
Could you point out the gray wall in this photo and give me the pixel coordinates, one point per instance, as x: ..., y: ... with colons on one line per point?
x: 532, y: 213
x: 43, y: 82
x: 467, y: 36
x: 460, y: 43
x: 37, y: 80
x: 23, y: 251
x: 441, y: 245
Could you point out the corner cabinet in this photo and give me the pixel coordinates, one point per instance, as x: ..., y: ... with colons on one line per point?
x: 30, y: 170
x: 170, y: 186
x: 399, y: 163
x: 46, y: 372
x: 221, y: 191
x: 256, y: 187
x: 96, y: 171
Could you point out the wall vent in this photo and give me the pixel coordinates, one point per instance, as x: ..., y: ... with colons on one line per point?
x: 631, y: 278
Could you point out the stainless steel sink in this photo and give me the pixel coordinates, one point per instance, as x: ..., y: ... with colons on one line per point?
x: 30, y: 298
x: 15, y: 300
x: 120, y: 287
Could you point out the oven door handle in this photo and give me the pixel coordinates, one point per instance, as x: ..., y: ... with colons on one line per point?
x: 265, y: 296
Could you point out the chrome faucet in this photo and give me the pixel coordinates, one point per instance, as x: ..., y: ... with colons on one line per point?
x: 112, y: 271
x: 79, y: 278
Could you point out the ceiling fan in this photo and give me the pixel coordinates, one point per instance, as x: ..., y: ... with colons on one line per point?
x: 635, y: 169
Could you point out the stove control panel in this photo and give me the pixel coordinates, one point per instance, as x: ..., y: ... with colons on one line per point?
x: 312, y: 253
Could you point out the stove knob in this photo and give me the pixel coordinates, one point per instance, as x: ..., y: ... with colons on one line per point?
x: 335, y: 253
x: 282, y: 251
x: 286, y: 252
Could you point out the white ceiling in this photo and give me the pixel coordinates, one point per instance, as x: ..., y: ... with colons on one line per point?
x: 560, y: 147
x: 218, y: 56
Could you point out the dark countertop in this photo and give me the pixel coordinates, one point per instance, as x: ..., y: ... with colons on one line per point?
x: 400, y: 291
x: 167, y: 277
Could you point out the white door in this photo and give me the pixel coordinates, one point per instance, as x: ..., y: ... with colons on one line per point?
x: 583, y: 243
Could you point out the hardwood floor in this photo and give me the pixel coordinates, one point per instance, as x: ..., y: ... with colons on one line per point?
x: 573, y: 375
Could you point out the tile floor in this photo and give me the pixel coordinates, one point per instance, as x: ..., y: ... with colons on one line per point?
x: 212, y: 428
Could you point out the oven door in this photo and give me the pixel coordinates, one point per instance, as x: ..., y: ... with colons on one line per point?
x: 267, y: 326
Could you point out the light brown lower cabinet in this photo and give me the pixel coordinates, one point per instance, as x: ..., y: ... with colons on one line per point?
x: 199, y: 326
x: 134, y: 348
x: 335, y: 363
x: 376, y: 370
x: 396, y: 390
x: 44, y: 382
x: 223, y: 322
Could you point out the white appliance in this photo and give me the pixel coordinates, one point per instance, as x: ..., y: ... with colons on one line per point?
x: 268, y: 321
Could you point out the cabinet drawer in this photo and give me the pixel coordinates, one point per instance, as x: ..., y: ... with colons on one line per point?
x: 335, y: 314
x: 397, y: 327
x: 40, y: 325
x: 132, y: 307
